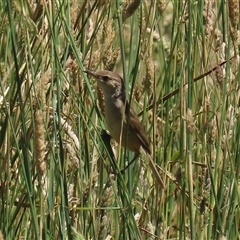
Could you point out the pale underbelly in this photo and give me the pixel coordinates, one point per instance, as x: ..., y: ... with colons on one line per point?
x: 114, y: 125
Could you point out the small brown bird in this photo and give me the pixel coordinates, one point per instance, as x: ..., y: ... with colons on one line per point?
x: 121, y: 120
x: 119, y: 116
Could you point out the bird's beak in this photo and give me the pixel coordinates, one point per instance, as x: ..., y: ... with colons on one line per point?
x: 92, y: 73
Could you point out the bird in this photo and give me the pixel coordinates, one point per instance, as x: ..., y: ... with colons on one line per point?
x: 121, y: 120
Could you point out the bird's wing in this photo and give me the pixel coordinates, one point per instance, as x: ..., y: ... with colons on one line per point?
x: 136, y: 127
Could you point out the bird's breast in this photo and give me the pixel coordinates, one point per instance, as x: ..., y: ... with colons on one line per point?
x: 114, y: 116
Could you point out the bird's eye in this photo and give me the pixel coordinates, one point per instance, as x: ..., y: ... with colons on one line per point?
x: 105, y: 78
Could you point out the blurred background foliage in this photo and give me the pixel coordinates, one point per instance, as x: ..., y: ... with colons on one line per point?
x: 179, y: 61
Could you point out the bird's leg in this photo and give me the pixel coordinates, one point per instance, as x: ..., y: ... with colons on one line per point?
x: 151, y: 165
x: 136, y: 155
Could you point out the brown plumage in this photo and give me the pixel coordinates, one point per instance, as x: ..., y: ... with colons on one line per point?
x: 120, y: 117
x: 121, y: 120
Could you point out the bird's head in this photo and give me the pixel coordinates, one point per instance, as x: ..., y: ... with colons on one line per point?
x: 109, y: 82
